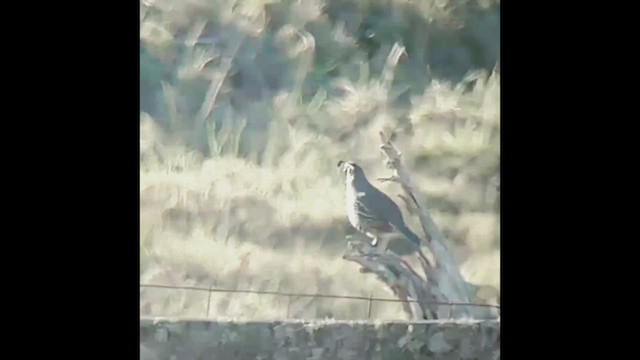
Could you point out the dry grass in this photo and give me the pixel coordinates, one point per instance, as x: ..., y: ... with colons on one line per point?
x: 234, y: 224
x: 266, y: 211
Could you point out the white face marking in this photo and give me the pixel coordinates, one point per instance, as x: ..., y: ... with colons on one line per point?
x: 348, y: 169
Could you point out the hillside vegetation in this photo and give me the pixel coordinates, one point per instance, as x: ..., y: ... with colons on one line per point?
x: 246, y: 107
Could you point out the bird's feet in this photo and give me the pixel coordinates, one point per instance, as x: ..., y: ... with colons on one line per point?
x: 379, y: 246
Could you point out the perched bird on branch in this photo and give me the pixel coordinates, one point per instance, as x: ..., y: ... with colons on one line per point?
x: 371, y: 211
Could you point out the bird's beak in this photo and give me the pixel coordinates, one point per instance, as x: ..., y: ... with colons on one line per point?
x: 341, y: 165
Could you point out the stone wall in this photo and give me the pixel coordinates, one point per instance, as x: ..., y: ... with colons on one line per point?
x: 182, y: 339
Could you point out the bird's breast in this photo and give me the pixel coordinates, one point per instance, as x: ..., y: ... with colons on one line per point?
x: 352, y: 211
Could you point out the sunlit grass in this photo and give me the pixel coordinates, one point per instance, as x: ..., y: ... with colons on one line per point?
x: 264, y: 209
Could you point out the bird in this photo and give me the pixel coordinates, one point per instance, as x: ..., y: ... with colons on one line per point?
x: 369, y: 210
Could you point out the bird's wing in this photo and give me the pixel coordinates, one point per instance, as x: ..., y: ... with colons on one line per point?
x: 382, y: 204
x: 365, y: 206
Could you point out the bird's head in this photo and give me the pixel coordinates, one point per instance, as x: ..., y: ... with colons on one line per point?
x: 351, y: 169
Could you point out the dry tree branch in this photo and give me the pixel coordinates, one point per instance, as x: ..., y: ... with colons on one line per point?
x: 443, y: 281
x: 405, y: 283
x: 451, y: 283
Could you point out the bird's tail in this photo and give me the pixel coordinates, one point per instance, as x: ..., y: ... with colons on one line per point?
x: 415, y: 239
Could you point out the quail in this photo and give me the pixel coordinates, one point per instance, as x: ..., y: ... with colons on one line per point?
x: 370, y: 211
